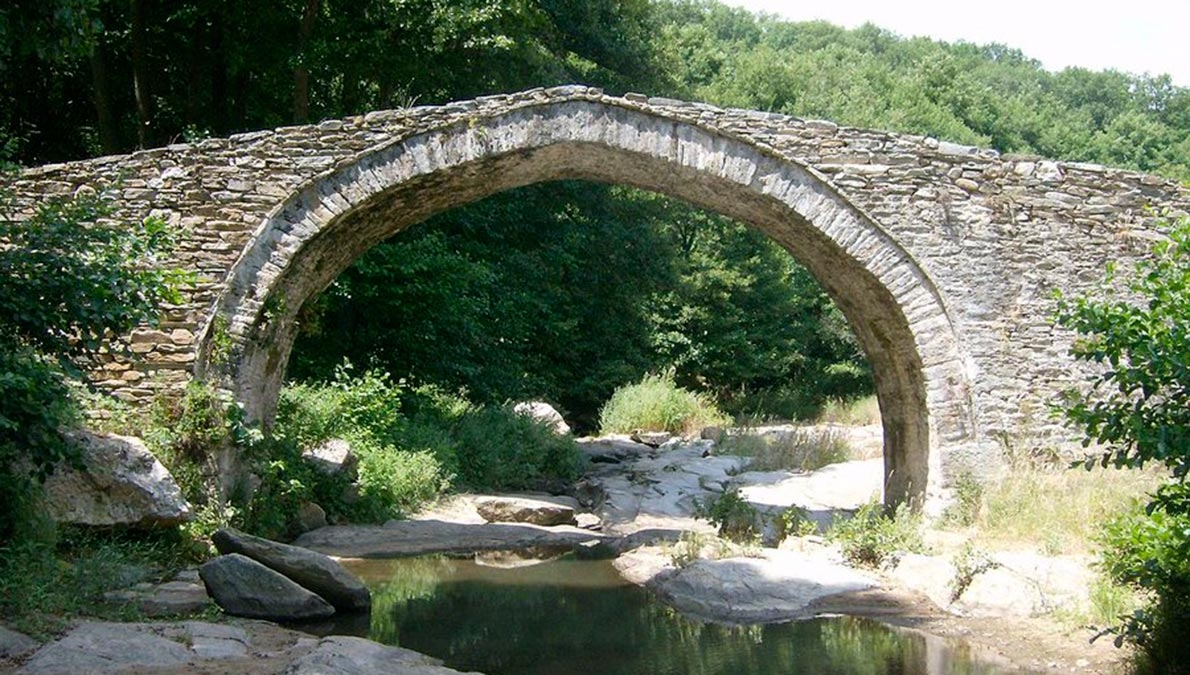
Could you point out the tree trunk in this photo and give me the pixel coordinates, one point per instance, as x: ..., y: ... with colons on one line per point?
x: 140, y: 77
x: 301, y: 72
x: 109, y: 130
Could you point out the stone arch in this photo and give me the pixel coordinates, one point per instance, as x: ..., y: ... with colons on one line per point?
x: 897, y: 313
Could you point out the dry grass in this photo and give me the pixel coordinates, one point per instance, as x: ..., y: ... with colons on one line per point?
x: 858, y: 412
x: 800, y: 449
x: 1054, y: 509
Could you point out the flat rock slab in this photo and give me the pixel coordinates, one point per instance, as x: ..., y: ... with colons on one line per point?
x: 778, y: 587
x: 172, y: 598
x: 244, y: 587
x: 309, y: 569
x: 103, y: 647
x: 415, y: 537
x: 525, y: 510
x: 344, y: 655
x: 14, y: 645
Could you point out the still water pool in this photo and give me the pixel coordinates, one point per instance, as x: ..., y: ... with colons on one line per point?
x: 570, y: 617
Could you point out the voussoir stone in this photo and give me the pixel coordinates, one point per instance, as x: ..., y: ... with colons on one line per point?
x: 120, y: 483
x: 524, y: 510
x: 244, y: 587
x: 311, y: 570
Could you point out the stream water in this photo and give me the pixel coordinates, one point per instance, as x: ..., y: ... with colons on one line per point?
x: 579, y: 617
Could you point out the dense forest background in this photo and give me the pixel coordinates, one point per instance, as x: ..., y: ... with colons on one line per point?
x: 558, y: 291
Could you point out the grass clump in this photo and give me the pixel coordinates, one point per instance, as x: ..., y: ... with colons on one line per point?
x: 656, y: 403
x: 1062, y: 509
x: 872, y: 538
x: 46, y: 584
x: 799, y: 450
x: 735, y: 518
x: 850, y: 412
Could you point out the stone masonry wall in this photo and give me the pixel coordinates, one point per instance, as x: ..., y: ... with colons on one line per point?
x: 994, y: 234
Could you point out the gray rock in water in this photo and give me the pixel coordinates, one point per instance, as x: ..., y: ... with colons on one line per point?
x: 121, y: 483
x: 344, y: 655
x: 311, y: 570
x: 778, y: 587
x: 102, y: 647
x: 244, y: 587
x: 14, y: 645
x: 524, y: 510
x: 544, y: 413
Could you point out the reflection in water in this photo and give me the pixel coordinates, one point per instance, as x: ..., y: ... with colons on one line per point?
x: 569, y: 617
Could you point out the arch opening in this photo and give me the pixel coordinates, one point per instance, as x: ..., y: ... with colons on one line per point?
x: 894, y: 310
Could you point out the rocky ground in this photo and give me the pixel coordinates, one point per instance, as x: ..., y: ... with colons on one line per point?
x: 639, y: 503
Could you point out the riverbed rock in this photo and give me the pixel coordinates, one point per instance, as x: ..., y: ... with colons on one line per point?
x: 172, y: 598
x: 536, y: 511
x: 102, y: 647
x: 780, y: 586
x: 415, y: 537
x: 14, y: 644
x: 244, y: 587
x: 309, y: 569
x: 544, y: 413
x: 121, y: 483
x: 346, y: 655
x: 310, y: 516
x: 334, y: 457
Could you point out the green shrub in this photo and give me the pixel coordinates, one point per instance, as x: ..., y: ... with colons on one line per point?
x: 496, y: 448
x: 657, y: 404
x: 394, y: 483
x: 794, y: 522
x: 735, y: 518
x: 871, y: 537
x: 968, y: 501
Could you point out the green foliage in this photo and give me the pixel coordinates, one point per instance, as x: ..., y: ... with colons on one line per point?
x: 968, y: 501
x: 657, y: 404
x: 735, y: 518
x: 1138, y: 401
x: 1138, y: 407
x: 969, y: 563
x: 871, y: 537
x: 794, y: 522
x: 71, y: 278
x: 44, y: 585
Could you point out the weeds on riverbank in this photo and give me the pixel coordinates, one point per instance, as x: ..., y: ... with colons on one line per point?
x: 872, y: 538
x: 799, y: 449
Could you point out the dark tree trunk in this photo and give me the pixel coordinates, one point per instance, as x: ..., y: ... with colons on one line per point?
x: 109, y: 130
x: 140, y: 77
x: 301, y: 72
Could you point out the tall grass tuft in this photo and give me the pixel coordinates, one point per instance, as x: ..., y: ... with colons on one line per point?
x: 799, y: 450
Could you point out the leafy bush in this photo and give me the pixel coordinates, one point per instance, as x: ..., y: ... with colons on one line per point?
x: 794, y: 522
x: 657, y: 404
x: 736, y: 519
x: 871, y: 537
x: 1137, y: 406
x: 496, y: 448
x: 71, y: 278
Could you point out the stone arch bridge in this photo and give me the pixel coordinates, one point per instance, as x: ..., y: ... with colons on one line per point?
x: 943, y: 257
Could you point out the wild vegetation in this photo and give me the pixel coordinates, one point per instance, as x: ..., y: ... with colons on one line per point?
x: 568, y: 292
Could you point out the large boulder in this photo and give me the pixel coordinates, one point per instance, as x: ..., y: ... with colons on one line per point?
x: 309, y: 569
x: 525, y: 510
x: 121, y: 483
x: 345, y: 655
x: 334, y: 457
x: 244, y: 587
x: 544, y: 413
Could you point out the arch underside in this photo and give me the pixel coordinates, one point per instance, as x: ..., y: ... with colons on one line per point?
x: 892, y: 306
